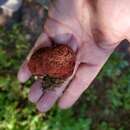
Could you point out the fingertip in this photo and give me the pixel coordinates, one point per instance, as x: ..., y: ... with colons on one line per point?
x: 49, y: 98
x: 65, y: 103
x: 47, y: 101
x: 42, y: 108
x: 24, y: 73
x: 36, y: 92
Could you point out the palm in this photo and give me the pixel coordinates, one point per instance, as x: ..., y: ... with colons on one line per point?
x: 77, y: 24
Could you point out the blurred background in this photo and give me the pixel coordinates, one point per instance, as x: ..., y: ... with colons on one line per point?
x: 104, y: 106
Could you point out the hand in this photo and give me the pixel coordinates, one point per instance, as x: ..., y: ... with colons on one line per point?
x: 93, y: 30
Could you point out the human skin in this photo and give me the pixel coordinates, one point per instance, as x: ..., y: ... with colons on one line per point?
x: 93, y: 29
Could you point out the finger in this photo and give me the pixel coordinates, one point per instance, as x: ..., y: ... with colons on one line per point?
x: 50, y: 97
x: 24, y: 74
x: 36, y: 91
x: 48, y: 100
x: 96, y: 58
x: 83, y: 78
x: 67, y: 39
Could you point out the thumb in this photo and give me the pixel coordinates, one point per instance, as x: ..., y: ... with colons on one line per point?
x: 24, y: 74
